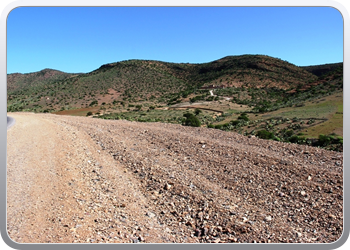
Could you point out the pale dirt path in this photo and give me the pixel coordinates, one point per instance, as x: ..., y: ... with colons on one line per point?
x: 58, y: 190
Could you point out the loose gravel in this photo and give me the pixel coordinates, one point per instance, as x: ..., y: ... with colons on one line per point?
x: 78, y: 179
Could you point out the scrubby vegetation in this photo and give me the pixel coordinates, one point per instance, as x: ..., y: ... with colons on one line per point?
x: 142, y: 80
x: 243, y: 90
x: 191, y: 120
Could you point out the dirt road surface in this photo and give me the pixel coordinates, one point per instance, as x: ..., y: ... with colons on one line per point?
x: 77, y: 179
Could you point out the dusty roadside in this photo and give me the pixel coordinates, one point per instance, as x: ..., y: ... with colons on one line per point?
x: 77, y: 179
x: 60, y: 189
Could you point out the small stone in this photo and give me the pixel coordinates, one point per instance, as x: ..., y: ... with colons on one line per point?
x: 233, y: 239
x: 268, y: 218
x: 197, y: 232
x: 309, y: 178
x: 201, y: 142
x: 205, y: 231
x: 332, y: 216
x: 189, y: 223
x: 303, y: 193
x: 151, y: 215
x: 216, y: 240
x: 167, y: 186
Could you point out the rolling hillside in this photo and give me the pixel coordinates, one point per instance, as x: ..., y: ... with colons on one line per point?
x: 285, y: 103
x: 144, y: 80
x: 20, y: 82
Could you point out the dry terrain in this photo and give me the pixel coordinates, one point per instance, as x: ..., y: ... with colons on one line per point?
x: 78, y: 179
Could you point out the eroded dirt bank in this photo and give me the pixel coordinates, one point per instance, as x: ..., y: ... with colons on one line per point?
x: 77, y: 179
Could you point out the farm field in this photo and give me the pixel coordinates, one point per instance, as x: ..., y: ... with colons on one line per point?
x: 330, y: 108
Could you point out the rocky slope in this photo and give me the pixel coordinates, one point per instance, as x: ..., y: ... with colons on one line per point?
x: 77, y: 179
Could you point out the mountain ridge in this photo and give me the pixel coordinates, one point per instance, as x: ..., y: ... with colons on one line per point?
x: 144, y: 80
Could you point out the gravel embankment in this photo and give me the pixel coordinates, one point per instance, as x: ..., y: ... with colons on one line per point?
x: 77, y: 179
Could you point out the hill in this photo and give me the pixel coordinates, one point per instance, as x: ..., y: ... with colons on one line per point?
x: 254, y: 95
x: 321, y: 70
x: 19, y: 82
x: 145, y: 80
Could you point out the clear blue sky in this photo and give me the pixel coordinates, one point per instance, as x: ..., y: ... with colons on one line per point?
x: 81, y: 39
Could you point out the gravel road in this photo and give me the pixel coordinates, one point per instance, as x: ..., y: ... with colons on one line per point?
x: 78, y: 179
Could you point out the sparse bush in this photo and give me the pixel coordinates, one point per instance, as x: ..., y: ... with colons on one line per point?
x: 219, y: 126
x: 324, y: 140
x: 197, y: 111
x: 243, y: 116
x: 289, y: 133
x: 264, y: 134
x: 93, y: 103
x: 234, y: 123
x: 296, y: 139
x: 191, y: 120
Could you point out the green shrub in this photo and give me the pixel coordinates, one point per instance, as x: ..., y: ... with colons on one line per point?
x: 289, y: 133
x: 226, y: 125
x: 263, y: 134
x: 324, y: 140
x: 93, y: 103
x: 197, y: 111
x: 218, y: 126
x: 294, y: 139
x: 234, y: 123
x: 243, y: 116
x: 191, y: 120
